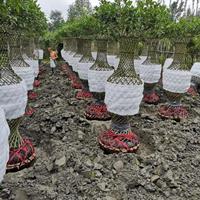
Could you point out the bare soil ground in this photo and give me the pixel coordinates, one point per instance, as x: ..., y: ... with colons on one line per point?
x: 71, y: 166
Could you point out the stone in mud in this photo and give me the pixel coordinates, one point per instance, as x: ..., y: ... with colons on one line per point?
x: 118, y: 165
x: 60, y: 162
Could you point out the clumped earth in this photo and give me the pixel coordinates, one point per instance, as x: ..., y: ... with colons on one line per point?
x: 71, y: 166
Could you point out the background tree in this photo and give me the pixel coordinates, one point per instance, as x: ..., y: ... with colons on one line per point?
x: 177, y: 9
x: 79, y: 9
x: 56, y: 20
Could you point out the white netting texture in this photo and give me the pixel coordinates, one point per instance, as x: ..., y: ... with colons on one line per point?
x: 36, y: 53
x: 13, y: 99
x: 97, y: 80
x: 27, y: 74
x: 167, y: 63
x: 123, y: 99
x: 74, y: 63
x: 4, y: 145
x: 138, y: 62
x: 34, y: 64
x: 113, y: 61
x: 195, y: 70
x: 150, y: 73
x: 94, y: 55
x: 65, y: 55
x: 176, y: 81
x: 83, y: 70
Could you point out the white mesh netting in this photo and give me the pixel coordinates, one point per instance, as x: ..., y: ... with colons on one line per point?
x: 27, y: 74
x: 36, y: 53
x: 97, y: 80
x: 34, y: 64
x: 69, y: 58
x: 138, y: 62
x: 94, y: 55
x: 113, y: 61
x: 195, y: 70
x: 66, y: 55
x: 177, y: 81
x: 167, y: 63
x: 74, y: 63
x: 150, y: 73
x: 4, y: 145
x: 123, y: 99
x: 83, y: 70
x: 13, y: 99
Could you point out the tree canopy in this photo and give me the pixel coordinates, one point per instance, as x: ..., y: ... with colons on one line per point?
x: 23, y: 15
x: 79, y: 8
x: 56, y: 20
x: 123, y: 18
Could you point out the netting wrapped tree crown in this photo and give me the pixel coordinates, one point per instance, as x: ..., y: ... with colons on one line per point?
x: 125, y: 73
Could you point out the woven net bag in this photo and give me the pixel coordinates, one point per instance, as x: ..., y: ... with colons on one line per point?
x: 100, y: 70
x: 150, y: 70
x: 124, y: 88
x: 86, y: 61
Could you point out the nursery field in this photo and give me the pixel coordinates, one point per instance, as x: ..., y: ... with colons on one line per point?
x: 99, y: 101
x: 70, y: 165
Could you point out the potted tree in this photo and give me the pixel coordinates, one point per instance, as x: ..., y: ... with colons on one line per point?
x: 177, y: 77
x: 124, y: 88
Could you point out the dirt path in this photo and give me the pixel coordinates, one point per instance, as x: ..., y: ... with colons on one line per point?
x: 71, y: 166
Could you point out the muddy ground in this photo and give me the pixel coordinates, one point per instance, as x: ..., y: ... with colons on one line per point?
x: 71, y: 166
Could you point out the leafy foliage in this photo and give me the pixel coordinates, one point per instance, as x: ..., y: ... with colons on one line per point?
x: 78, y: 9
x: 23, y: 15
